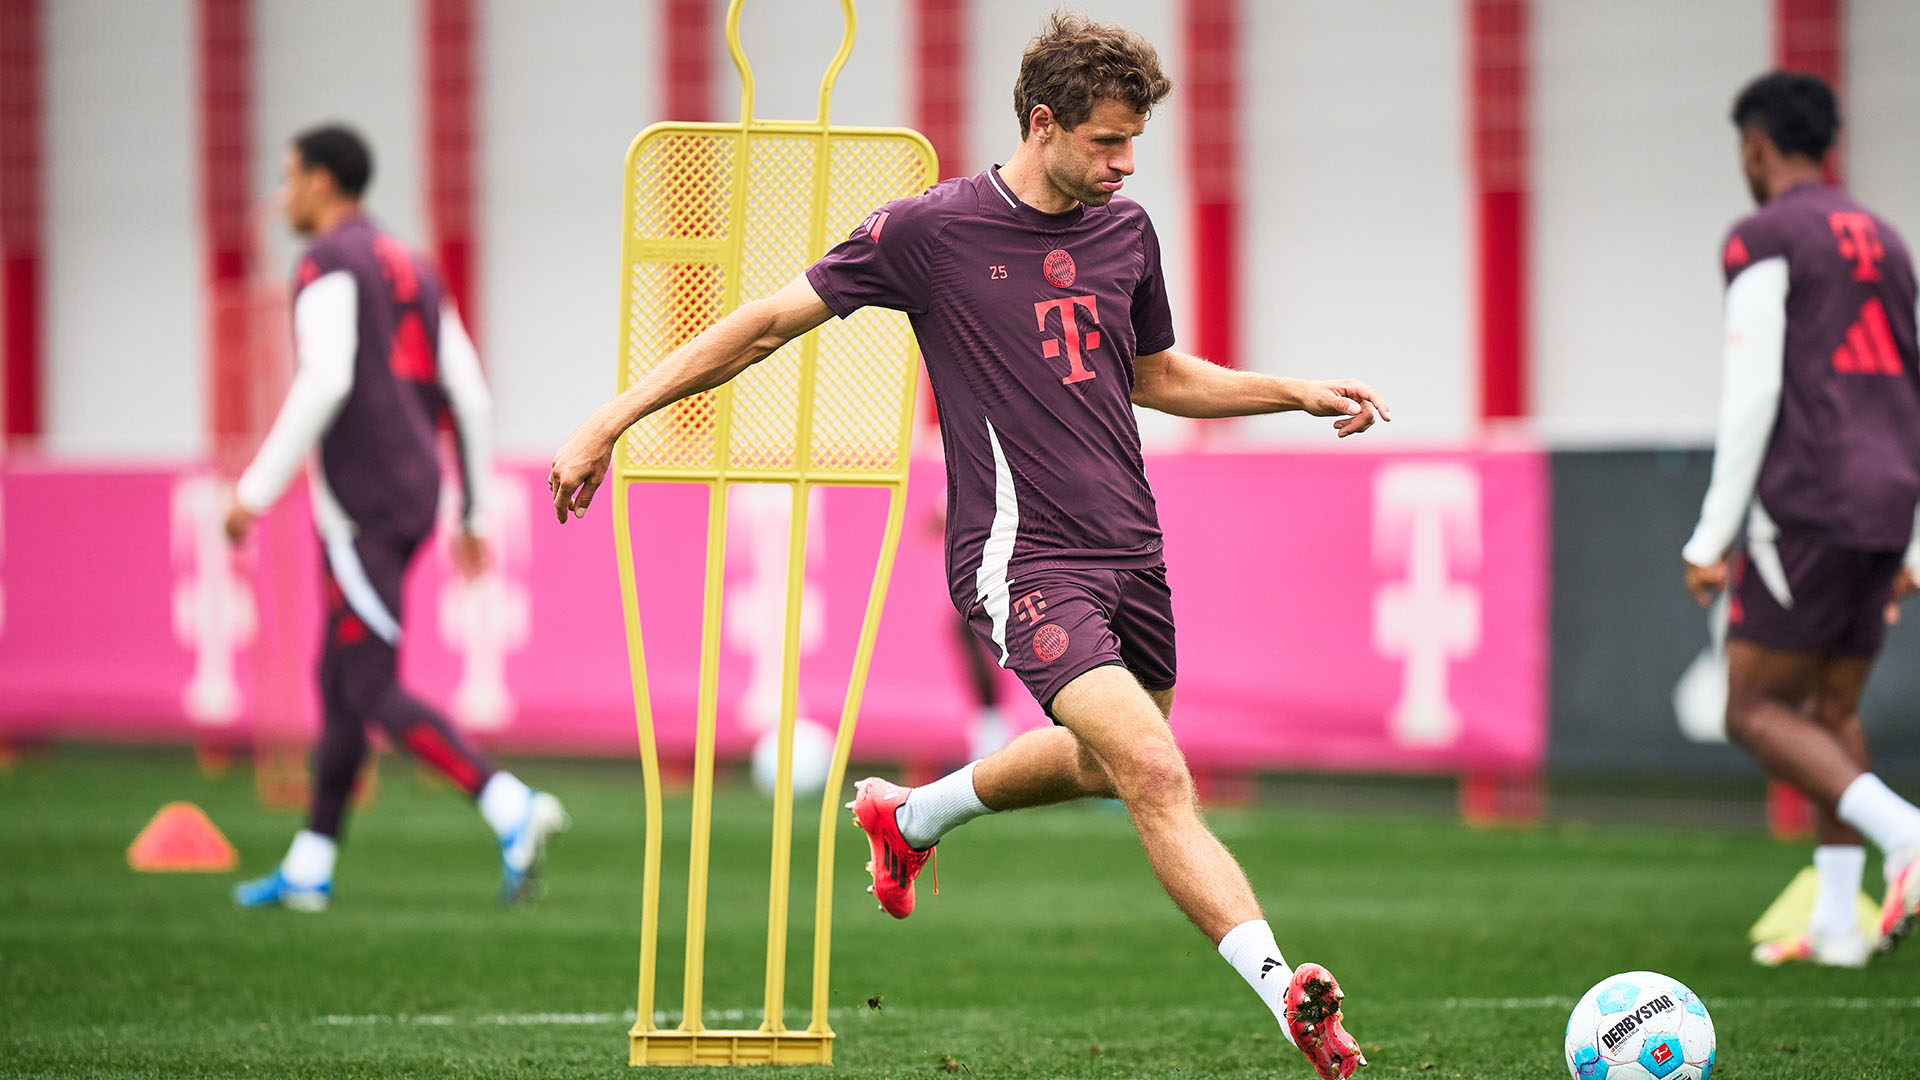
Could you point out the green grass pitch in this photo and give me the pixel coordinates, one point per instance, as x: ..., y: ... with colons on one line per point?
x: 1050, y: 953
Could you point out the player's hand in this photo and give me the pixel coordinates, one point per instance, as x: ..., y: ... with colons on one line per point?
x: 1903, y: 586
x: 1354, y: 402
x: 470, y: 555
x: 1705, y: 582
x: 239, y: 523
x: 578, y: 469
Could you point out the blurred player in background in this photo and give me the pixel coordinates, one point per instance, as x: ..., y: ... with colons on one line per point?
x: 381, y: 351
x: 1818, y: 452
x: 1038, y: 300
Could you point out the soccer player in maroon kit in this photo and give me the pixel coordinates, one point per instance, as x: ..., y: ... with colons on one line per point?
x: 1037, y: 297
x: 1818, y: 453
x: 380, y: 353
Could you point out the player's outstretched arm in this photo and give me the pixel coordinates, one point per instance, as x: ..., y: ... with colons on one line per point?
x: 750, y: 334
x: 1186, y: 385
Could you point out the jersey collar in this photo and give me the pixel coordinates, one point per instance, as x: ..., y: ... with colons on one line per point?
x: 1027, y: 214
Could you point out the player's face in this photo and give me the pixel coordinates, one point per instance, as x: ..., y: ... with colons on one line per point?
x: 1089, y: 162
x: 301, y: 190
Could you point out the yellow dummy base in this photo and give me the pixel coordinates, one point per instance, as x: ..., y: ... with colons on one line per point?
x: 731, y: 1048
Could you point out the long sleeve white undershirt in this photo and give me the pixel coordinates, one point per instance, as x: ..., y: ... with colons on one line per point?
x: 1913, y: 547
x: 472, y: 408
x: 1752, y: 372
x: 326, y: 321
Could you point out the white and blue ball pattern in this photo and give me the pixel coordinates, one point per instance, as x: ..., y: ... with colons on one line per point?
x: 1639, y: 1025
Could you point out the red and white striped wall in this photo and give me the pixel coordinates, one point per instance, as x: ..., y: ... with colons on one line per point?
x: 1496, y: 210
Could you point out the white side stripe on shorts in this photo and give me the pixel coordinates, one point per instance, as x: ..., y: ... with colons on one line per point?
x: 351, y: 575
x: 1765, y: 554
x: 990, y: 582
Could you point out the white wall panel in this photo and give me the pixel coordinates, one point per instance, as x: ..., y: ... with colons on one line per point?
x: 353, y: 61
x: 790, y: 44
x: 564, y: 88
x: 1883, y: 108
x: 1637, y: 180
x: 124, y: 299
x: 1356, y: 257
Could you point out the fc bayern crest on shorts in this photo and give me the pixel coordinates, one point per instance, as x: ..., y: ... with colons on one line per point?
x: 1059, y: 268
x: 1049, y: 642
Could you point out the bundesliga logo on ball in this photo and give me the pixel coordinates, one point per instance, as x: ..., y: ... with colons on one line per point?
x: 1639, y: 1025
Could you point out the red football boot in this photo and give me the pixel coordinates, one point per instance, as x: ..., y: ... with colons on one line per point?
x: 894, y: 863
x: 1901, y: 910
x: 1313, y: 1019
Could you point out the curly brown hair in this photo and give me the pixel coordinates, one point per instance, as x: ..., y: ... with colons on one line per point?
x: 1075, y: 62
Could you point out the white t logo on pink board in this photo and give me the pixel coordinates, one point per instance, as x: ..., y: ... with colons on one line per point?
x: 760, y: 522
x: 1426, y: 524
x: 487, y: 619
x: 213, y: 606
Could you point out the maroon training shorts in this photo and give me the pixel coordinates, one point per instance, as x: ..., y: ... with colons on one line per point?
x: 1062, y: 623
x: 1797, y: 593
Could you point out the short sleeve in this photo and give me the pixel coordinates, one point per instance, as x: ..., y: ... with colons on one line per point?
x: 1152, y: 318
x: 887, y: 261
x: 1750, y: 241
x: 316, y: 262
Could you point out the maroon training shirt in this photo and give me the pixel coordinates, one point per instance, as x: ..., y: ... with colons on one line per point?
x: 1844, y: 458
x: 378, y: 456
x: 1029, y: 323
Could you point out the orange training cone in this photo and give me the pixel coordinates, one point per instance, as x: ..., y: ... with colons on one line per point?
x: 181, y: 837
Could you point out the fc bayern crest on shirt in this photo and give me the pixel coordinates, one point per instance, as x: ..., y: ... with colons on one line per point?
x: 1059, y: 268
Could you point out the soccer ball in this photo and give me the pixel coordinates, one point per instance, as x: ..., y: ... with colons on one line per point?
x: 1637, y: 1025
x: 812, y: 758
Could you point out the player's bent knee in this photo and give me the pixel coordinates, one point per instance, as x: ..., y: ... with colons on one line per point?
x: 1153, y: 775
x: 1741, y: 717
x: 1836, y: 718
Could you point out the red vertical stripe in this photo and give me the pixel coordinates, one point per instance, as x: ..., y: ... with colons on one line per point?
x: 940, y: 50
x: 430, y: 746
x: 452, y: 115
x: 686, y: 75
x: 1212, y: 86
x: 1810, y: 36
x: 1499, y: 43
x: 22, y: 101
x: 225, y: 48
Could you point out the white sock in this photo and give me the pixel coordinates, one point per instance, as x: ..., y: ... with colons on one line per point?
x: 1891, y: 822
x: 505, y: 802
x: 1251, y: 950
x: 1840, y: 867
x: 934, y: 810
x: 309, y: 861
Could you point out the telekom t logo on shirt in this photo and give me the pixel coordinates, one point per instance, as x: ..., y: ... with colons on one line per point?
x: 1858, y: 239
x: 1076, y: 345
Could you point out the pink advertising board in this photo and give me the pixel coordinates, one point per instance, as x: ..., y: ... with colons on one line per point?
x: 1350, y: 611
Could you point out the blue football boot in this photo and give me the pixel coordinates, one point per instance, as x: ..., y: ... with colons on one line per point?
x: 275, y: 889
x: 522, y: 849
